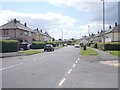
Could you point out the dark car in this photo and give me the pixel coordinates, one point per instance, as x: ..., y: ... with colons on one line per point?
x: 24, y: 46
x: 48, y: 47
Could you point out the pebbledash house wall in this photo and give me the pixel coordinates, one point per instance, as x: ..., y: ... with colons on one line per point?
x: 17, y: 34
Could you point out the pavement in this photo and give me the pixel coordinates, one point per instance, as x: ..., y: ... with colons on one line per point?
x: 104, y: 58
x: 12, y: 54
x: 63, y: 68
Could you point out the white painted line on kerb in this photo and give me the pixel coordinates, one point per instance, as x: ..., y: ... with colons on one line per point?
x: 74, y: 65
x: 76, y: 62
x: 69, y: 71
x: 63, y: 80
x: 78, y: 59
x: 11, y: 66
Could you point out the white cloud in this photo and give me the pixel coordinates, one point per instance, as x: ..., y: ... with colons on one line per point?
x: 46, y: 21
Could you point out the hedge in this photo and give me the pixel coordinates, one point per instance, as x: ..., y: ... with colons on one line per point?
x: 8, y: 46
x: 40, y: 45
x: 108, y: 46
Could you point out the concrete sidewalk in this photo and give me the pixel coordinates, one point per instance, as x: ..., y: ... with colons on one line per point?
x: 104, y: 58
x: 10, y: 54
x: 14, y: 54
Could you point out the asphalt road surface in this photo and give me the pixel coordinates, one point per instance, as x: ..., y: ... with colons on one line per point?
x: 63, y: 68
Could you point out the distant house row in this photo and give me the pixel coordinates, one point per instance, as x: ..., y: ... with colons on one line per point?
x: 21, y: 32
x: 111, y: 35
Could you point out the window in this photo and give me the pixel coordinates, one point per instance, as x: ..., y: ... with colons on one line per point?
x: 5, y: 31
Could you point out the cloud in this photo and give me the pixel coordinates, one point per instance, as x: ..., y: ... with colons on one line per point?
x: 46, y: 21
x: 94, y: 7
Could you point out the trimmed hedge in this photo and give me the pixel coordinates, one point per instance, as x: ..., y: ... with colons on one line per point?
x: 8, y: 46
x: 108, y: 46
x: 40, y: 45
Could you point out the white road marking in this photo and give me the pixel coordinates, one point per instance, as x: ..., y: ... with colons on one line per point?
x: 78, y: 59
x: 63, y: 80
x: 69, y: 71
x: 74, y: 65
x: 10, y: 66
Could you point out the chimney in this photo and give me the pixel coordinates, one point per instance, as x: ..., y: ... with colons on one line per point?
x: 98, y: 32
x: 115, y: 23
x: 15, y: 21
x: 110, y: 27
x: 25, y: 24
x: 41, y: 30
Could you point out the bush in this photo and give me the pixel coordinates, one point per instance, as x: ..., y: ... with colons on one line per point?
x: 38, y: 45
x: 53, y: 43
x: 8, y: 46
x: 109, y: 46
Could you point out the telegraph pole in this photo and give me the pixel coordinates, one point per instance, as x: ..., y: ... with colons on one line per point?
x: 103, y: 25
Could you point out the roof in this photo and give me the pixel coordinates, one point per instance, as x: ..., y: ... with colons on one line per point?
x: 114, y: 29
x: 15, y: 25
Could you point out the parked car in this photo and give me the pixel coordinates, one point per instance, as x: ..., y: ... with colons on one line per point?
x: 24, y: 46
x: 48, y: 47
x: 77, y: 46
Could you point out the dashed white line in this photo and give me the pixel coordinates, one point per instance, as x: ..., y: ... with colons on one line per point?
x: 76, y: 62
x: 11, y: 66
x: 63, y: 80
x: 74, y: 65
x: 78, y: 59
x: 69, y: 71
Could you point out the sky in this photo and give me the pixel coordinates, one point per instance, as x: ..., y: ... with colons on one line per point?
x: 68, y: 17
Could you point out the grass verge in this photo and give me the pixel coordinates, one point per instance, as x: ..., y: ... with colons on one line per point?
x: 58, y: 47
x: 30, y: 52
x: 88, y: 52
x: 116, y: 53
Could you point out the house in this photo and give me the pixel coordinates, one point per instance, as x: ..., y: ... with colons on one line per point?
x: 40, y: 36
x: 21, y: 32
x: 16, y: 30
x: 47, y: 37
x: 112, y: 35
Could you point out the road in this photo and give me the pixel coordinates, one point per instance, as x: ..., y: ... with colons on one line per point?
x: 63, y: 68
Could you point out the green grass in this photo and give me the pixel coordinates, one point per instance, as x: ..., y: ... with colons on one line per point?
x: 116, y: 53
x: 30, y: 52
x: 88, y: 52
x: 58, y: 47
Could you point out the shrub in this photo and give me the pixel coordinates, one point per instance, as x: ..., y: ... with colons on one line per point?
x: 8, y: 46
x: 38, y: 45
x: 53, y: 43
x: 109, y: 46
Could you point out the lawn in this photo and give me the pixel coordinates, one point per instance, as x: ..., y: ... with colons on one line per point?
x: 58, y: 47
x: 116, y: 53
x: 88, y: 52
x: 30, y: 52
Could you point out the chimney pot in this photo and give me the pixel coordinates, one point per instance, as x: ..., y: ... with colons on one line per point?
x: 115, y: 23
x: 110, y: 27
x: 25, y: 24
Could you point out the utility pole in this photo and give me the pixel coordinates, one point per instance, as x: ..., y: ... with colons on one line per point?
x: 103, y: 25
x: 62, y: 34
x: 88, y: 34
